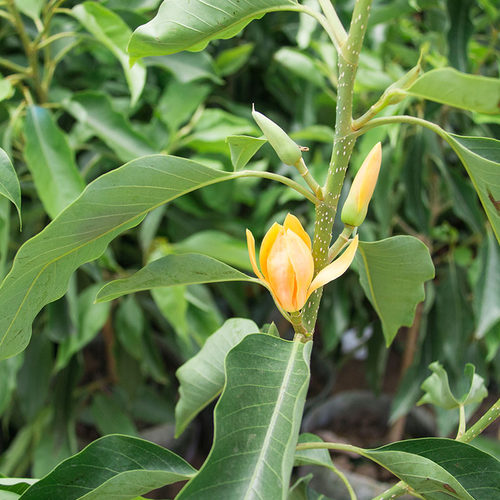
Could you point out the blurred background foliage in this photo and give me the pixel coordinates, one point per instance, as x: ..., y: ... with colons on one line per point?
x: 93, y: 369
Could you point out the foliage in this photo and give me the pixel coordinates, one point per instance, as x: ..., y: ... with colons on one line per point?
x: 130, y: 157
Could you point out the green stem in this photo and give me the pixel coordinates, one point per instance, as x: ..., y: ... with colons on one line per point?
x: 342, y: 149
x: 298, y: 325
x: 462, y: 422
x: 29, y: 49
x: 343, y: 477
x: 487, y: 419
x: 331, y: 31
x: 397, y: 490
x: 334, y: 22
x: 331, y: 446
x: 340, y: 243
x: 411, y: 120
x: 309, y: 179
x: 280, y: 178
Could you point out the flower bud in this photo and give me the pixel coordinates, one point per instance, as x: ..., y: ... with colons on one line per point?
x: 363, y: 185
x: 287, y: 150
x: 287, y: 265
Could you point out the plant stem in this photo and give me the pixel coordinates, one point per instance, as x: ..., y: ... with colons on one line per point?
x: 29, y: 49
x: 280, y: 178
x: 340, y: 243
x: 331, y: 446
x: 462, y: 422
x: 309, y: 179
x: 488, y: 418
x: 342, y: 149
x: 334, y: 22
x: 343, y: 477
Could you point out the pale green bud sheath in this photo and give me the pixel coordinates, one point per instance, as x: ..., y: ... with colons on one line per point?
x: 363, y: 185
x: 287, y: 150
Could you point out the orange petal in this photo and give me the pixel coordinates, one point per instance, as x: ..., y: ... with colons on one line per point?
x: 251, y: 253
x: 303, y: 265
x: 281, y: 275
x: 291, y: 222
x: 336, y: 268
x: 266, y: 246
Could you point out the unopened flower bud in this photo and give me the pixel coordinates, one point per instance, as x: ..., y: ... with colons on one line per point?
x: 287, y: 265
x: 363, y: 185
x: 287, y: 150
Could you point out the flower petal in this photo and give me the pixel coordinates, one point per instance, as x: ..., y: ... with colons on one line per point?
x: 266, y: 246
x: 303, y: 265
x: 291, y: 222
x: 251, y: 253
x: 281, y: 275
x: 336, y: 268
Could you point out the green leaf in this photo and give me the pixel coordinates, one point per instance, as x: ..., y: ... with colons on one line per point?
x: 295, y: 62
x: 14, y: 485
x: 129, y: 326
x: 257, y: 421
x: 111, y: 31
x: 180, y: 101
x: 110, y: 416
x: 111, y: 204
x: 243, y: 147
x: 172, y: 270
x: 179, y: 27
x: 459, y: 31
x: 115, y: 468
x: 30, y: 8
x: 461, y: 90
x: 231, y: 60
x: 487, y: 290
x: 96, y: 111
x: 9, y: 184
x: 438, y: 392
x: 481, y: 158
x: 187, y: 66
x: 320, y: 456
x: 202, y: 377
x: 91, y: 318
x: 302, y: 491
x: 51, y: 161
x: 218, y: 245
x: 439, y: 469
x: 6, y: 89
x: 392, y: 273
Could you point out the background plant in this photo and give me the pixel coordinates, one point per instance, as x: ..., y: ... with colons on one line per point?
x: 64, y: 123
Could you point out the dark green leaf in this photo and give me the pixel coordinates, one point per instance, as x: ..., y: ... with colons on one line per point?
x: 442, y: 468
x: 257, y: 421
x: 392, y: 273
x: 115, y: 468
x: 172, y: 270
x: 51, y: 161
x: 459, y: 32
x: 202, y: 377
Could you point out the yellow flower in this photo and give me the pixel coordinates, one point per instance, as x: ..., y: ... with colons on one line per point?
x: 363, y: 185
x: 287, y: 265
